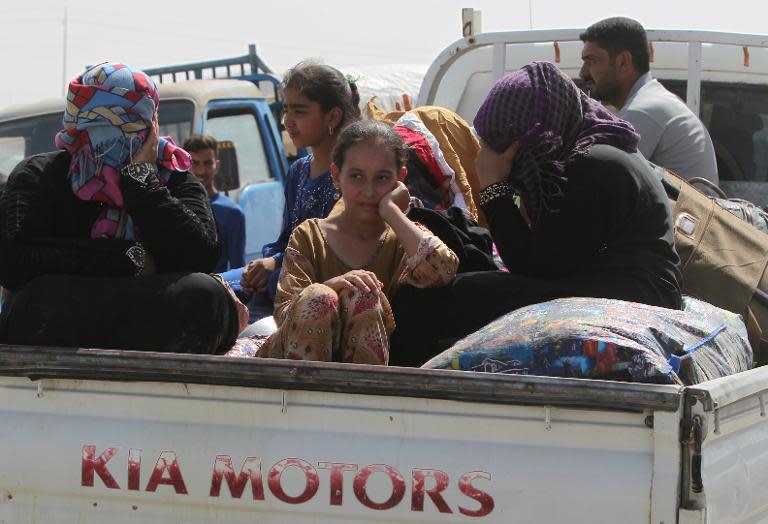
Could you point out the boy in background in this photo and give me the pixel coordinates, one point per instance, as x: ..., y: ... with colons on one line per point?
x: 230, y: 219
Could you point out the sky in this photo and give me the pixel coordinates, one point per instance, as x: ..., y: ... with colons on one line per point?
x: 35, y: 62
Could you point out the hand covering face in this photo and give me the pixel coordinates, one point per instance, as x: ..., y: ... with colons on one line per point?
x: 554, y: 121
x: 108, y: 115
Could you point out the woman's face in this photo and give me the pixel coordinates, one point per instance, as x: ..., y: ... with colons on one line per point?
x: 369, y: 172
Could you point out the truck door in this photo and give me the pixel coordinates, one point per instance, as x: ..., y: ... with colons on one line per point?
x: 261, y: 166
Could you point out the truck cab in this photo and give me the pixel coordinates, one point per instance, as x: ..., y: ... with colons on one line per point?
x: 722, y: 77
x: 228, y: 109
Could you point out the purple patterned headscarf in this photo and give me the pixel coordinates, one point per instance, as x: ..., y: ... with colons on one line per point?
x: 554, y: 121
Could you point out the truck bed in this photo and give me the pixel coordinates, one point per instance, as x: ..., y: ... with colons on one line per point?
x: 103, y: 435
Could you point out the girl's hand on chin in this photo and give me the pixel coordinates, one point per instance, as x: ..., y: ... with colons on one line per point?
x: 398, y: 197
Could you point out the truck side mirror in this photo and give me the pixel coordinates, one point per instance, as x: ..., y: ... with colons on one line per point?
x: 228, y: 177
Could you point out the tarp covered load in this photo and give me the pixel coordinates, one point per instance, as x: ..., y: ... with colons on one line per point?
x: 607, y: 339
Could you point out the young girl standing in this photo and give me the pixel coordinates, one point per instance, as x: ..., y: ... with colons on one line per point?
x: 339, y: 272
x: 319, y: 103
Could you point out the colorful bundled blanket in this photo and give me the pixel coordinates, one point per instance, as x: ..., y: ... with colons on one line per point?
x: 607, y: 339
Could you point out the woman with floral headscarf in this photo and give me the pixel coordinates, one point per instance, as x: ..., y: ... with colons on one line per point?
x: 573, y: 208
x: 105, y: 242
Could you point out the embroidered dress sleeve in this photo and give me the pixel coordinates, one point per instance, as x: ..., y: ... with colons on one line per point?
x: 433, y: 265
x: 296, y: 274
x: 28, y: 243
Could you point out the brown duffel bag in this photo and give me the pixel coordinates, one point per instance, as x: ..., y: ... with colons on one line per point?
x: 723, y: 259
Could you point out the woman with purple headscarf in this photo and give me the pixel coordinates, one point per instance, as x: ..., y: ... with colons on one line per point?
x: 573, y: 208
x: 106, y: 242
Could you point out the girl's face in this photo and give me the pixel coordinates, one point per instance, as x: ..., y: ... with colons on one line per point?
x: 305, y: 121
x: 368, y: 173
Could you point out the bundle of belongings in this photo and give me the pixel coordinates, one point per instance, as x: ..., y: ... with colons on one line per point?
x: 441, y: 156
x: 607, y: 339
x: 723, y: 258
x: 441, y: 149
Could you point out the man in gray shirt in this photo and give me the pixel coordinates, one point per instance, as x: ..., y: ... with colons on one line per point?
x: 616, y: 70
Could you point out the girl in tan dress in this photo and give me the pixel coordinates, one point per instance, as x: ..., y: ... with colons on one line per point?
x: 338, y: 273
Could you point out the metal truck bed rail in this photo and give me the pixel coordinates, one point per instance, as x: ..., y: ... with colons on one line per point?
x: 99, y: 364
x: 498, y: 42
x: 245, y: 66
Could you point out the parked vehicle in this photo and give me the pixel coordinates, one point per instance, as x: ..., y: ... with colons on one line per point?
x: 93, y: 435
x: 723, y: 78
x: 223, y: 98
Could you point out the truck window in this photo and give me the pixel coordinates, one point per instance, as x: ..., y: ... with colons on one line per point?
x: 175, y: 118
x: 737, y: 118
x: 241, y: 127
x: 32, y: 135
x: 11, y: 153
x: 27, y: 136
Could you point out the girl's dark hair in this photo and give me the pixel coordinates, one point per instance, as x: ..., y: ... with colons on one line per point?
x: 369, y: 130
x: 328, y: 87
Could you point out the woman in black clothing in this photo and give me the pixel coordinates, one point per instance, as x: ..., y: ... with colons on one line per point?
x: 105, y: 243
x: 593, y: 219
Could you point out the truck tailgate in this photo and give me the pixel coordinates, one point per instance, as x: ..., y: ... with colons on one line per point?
x: 118, y: 436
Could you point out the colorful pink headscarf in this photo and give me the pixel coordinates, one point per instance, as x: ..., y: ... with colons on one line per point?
x: 107, y: 118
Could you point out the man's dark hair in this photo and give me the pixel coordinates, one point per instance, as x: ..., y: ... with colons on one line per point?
x: 621, y: 34
x: 197, y: 143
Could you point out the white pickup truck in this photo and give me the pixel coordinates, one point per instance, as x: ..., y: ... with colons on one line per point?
x: 723, y: 77
x: 89, y: 435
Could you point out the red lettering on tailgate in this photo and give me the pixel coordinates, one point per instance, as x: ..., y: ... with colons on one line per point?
x: 91, y: 464
x: 485, y: 500
x: 441, y: 483
x: 310, y: 474
x: 167, y: 471
x: 134, y: 469
x: 337, y: 479
x: 167, y: 462
x: 398, y: 486
x: 251, y: 470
